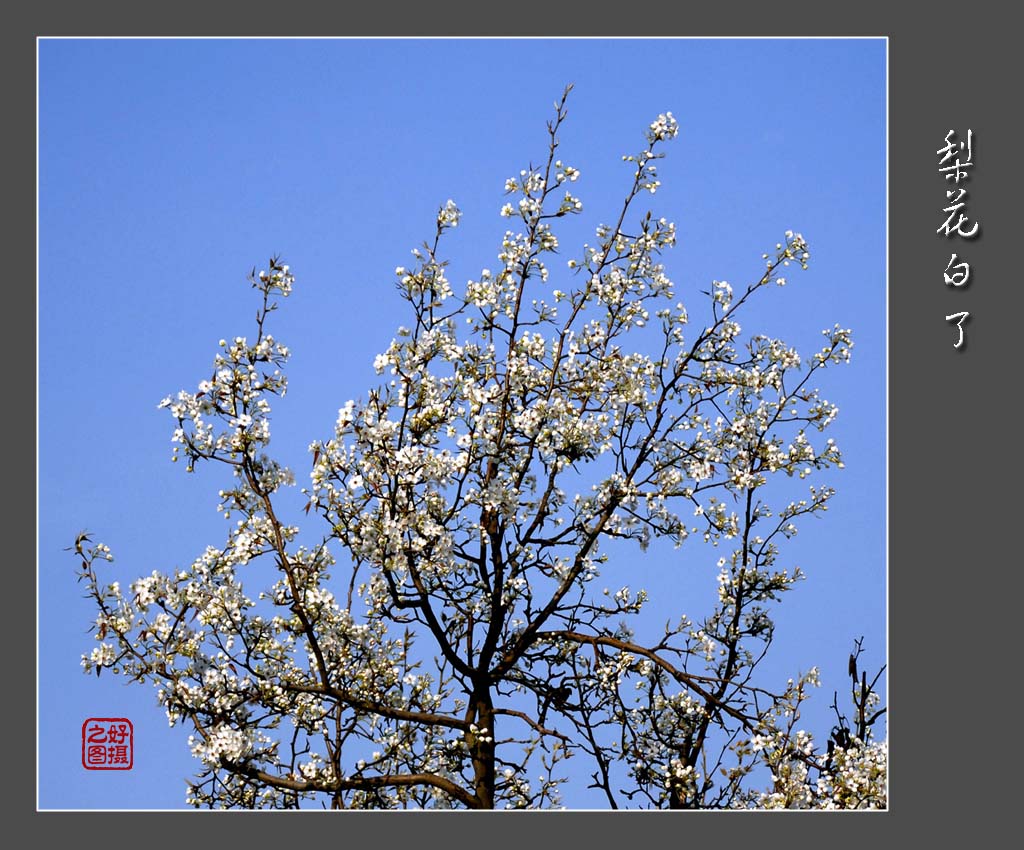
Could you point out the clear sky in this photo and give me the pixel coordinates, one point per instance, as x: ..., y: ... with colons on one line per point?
x: 169, y: 168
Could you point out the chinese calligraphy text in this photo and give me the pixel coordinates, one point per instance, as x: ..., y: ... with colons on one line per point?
x: 956, y: 157
x: 107, y: 743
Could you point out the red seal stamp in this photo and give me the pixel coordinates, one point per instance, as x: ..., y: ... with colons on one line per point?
x: 108, y: 743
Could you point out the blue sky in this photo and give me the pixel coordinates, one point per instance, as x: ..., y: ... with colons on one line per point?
x: 169, y: 168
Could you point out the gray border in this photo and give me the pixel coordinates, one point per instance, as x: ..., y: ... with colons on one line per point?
x: 948, y: 627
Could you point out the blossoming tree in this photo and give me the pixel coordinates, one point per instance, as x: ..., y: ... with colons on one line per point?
x: 444, y: 641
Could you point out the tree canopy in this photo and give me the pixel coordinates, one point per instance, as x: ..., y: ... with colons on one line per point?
x: 445, y: 642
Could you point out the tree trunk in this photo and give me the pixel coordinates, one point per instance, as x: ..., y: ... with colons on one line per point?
x: 481, y: 746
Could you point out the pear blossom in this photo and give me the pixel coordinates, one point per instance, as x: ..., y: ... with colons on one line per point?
x: 435, y: 635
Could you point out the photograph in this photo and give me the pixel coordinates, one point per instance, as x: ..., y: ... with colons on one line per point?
x: 455, y: 423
